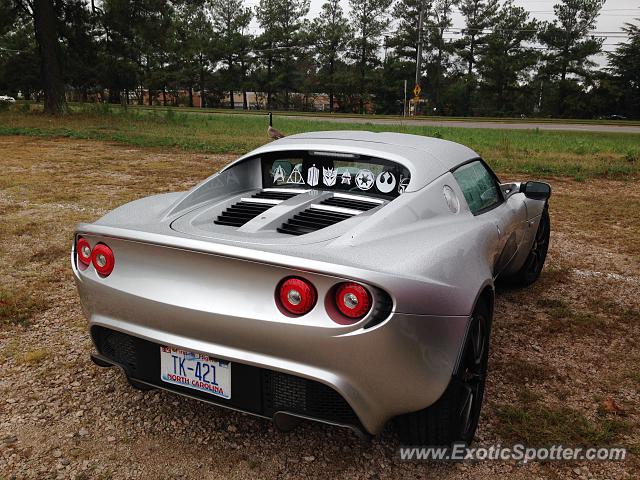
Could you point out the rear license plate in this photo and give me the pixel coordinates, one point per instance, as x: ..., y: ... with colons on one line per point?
x: 196, y: 371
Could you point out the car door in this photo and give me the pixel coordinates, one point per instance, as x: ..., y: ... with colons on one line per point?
x: 484, y: 197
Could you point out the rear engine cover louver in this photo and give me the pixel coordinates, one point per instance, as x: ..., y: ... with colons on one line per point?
x: 352, y: 203
x: 312, y: 219
x: 328, y: 212
x: 247, y: 209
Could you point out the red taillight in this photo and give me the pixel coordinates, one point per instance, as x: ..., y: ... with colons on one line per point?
x: 353, y: 300
x: 297, y: 296
x: 83, y: 249
x: 103, y: 259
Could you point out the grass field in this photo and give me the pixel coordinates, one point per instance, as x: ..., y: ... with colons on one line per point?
x: 579, y: 155
x: 564, y: 351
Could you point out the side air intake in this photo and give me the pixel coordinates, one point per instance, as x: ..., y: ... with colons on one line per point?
x: 249, y: 208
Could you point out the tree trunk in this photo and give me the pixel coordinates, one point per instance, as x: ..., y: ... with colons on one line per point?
x: 269, y: 82
x: 245, y: 103
x: 470, y: 86
x: 202, y: 95
x: 436, y: 88
x: 331, y: 72
x: 51, y: 70
x: 191, y: 95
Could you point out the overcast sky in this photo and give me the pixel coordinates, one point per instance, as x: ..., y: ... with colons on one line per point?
x: 613, y: 16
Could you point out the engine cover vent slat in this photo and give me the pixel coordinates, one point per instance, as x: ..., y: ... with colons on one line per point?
x: 311, y: 220
x: 245, y: 210
x: 352, y: 203
x: 240, y: 213
x: 275, y: 195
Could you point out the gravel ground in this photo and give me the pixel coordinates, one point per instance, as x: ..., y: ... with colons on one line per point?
x: 561, y: 349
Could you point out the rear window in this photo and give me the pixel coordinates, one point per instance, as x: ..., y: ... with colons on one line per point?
x: 340, y: 172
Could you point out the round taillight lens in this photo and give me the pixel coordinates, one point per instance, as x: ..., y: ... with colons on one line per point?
x: 353, y: 300
x: 83, y: 249
x: 297, y: 296
x: 103, y: 259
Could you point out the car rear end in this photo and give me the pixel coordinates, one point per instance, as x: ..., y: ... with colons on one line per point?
x: 226, y: 325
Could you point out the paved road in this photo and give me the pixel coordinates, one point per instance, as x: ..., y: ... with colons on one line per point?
x: 576, y: 127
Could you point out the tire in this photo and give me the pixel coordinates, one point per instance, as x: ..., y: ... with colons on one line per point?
x: 139, y: 385
x: 454, y: 417
x: 530, y: 271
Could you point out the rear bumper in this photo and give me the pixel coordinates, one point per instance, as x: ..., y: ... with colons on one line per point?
x: 258, y: 391
x: 190, y: 300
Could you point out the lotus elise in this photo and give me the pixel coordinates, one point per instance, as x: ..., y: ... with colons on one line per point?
x: 344, y: 277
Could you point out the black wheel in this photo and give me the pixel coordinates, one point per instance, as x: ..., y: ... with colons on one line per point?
x: 139, y: 385
x: 532, y: 267
x: 454, y: 417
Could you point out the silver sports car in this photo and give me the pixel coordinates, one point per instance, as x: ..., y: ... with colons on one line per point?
x: 344, y: 277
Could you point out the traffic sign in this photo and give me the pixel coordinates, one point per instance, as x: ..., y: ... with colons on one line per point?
x: 417, y: 90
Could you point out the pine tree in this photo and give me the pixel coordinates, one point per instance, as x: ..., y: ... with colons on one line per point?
x: 369, y: 20
x: 281, y: 43
x: 478, y: 16
x: 230, y: 21
x: 441, y: 50
x: 47, y: 30
x: 192, y: 46
x: 625, y: 66
x: 404, y: 40
x: 331, y: 30
x: 569, y: 44
x: 506, y: 57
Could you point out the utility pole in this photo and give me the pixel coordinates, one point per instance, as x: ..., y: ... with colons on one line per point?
x: 419, y: 47
x: 404, y: 104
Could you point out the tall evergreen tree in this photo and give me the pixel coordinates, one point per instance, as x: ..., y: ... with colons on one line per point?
x: 569, y: 44
x: 369, y: 19
x: 331, y: 34
x: 441, y: 49
x: 230, y: 20
x: 192, y: 47
x: 404, y: 40
x: 506, y: 57
x: 45, y: 18
x: 281, y: 43
x: 625, y: 67
x: 478, y: 15
x: 19, y: 70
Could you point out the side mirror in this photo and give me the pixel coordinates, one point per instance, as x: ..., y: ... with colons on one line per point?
x: 536, y: 190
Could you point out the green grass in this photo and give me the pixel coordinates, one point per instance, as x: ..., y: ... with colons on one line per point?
x: 531, y: 153
x: 534, y: 120
x: 537, y: 424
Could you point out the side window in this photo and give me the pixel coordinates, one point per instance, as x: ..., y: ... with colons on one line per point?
x: 478, y: 186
